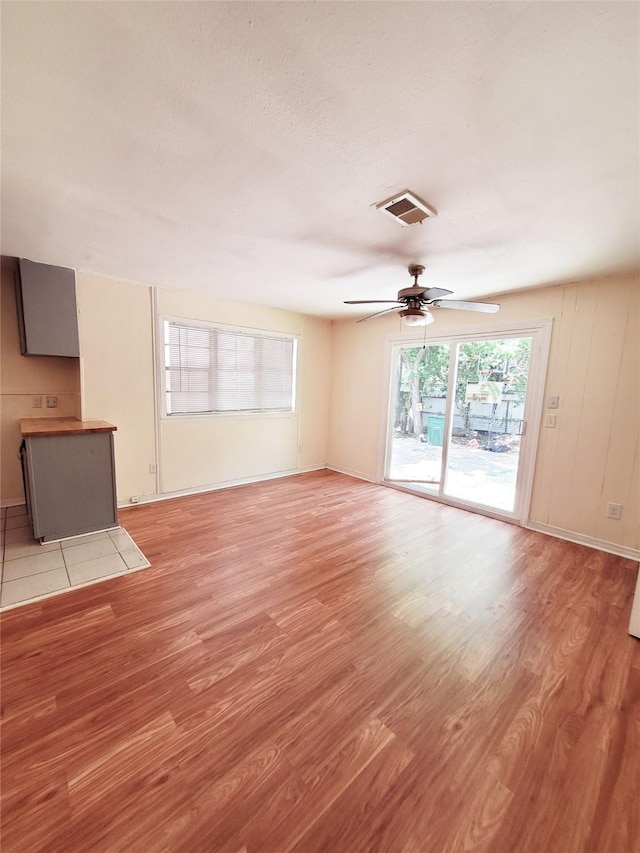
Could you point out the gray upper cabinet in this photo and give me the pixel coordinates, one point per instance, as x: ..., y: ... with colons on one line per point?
x: 47, y: 314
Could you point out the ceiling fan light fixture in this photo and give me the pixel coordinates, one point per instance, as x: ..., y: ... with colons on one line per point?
x: 416, y: 317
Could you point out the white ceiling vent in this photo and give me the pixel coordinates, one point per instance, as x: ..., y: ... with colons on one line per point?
x: 406, y: 208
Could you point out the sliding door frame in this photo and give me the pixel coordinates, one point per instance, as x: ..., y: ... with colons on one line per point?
x: 540, y: 333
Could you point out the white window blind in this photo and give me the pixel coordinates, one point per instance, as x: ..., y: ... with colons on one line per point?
x: 209, y: 369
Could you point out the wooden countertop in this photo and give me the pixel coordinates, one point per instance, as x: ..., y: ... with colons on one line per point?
x: 35, y: 427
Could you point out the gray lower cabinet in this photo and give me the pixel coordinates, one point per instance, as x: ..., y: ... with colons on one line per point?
x: 70, y: 484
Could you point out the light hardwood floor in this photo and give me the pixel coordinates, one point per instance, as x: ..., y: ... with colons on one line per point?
x: 321, y: 664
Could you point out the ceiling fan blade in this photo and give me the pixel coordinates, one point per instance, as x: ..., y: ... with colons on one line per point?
x: 369, y: 301
x: 377, y: 314
x: 484, y: 307
x: 435, y: 293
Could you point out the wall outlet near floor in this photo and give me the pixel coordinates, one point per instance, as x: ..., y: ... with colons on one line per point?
x: 52, y: 402
x: 36, y: 402
x: 133, y: 499
x: 614, y: 511
x: 153, y: 468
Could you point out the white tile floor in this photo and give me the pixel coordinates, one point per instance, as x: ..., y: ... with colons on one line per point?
x: 31, y: 571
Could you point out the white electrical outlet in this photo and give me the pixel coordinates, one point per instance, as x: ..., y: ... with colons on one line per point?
x: 550, y: 421
x: 553, y: 402
x: 36, y: 403
x: 133, y: 499
x: 614, y: 511
x: 52, y: 402
x: 153, y: 468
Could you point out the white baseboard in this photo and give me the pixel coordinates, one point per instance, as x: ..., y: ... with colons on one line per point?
x: 589, y: 541
x: 12, y: 502
x: 350, y: 473
x: 567, y: 535
x: 634, y: 622
x: 214, y: 487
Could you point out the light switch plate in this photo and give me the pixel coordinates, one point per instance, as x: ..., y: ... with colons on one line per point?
x: 614, y: 511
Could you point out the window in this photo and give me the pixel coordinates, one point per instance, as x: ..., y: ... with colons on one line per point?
x: 213, y: 369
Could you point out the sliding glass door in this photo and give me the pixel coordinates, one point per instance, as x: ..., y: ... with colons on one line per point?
x: 415, y: 452
x: 458, y: 418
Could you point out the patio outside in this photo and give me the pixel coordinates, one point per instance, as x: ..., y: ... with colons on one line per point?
x: 486, y: 418
x: 474, y: 473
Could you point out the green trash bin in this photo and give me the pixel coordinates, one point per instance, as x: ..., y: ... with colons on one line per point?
x: 435, y: 430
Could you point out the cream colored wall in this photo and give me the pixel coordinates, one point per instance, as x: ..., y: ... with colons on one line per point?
x: 358, y: 396
x: 116, y: 354
x: 592, y: 456
x: 314, y: 391
x: 209, y: 450
x: 21, y: 379
x: 203, y: 451
x: 117, y: 360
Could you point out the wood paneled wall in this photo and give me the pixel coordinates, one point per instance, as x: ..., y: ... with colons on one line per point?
x: 592, y: 456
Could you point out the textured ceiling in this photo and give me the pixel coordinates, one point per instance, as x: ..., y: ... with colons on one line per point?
x: 237, y: 148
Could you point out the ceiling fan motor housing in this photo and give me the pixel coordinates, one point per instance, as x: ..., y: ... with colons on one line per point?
x: 408, y: 293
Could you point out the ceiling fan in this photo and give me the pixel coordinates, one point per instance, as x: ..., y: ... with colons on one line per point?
x: 417, y: 300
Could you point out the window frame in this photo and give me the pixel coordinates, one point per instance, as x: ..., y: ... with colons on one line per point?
x: 164, y: 320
